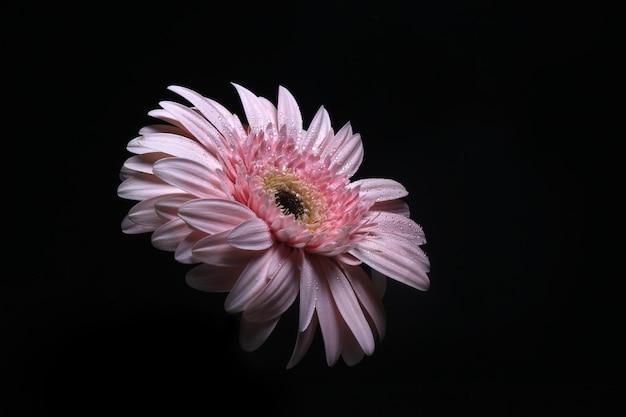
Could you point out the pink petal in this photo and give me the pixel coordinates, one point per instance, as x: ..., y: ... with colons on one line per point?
x: 392, y: 206
x: 289, y: 114
x: 348, y: 306
x: 351, y: 351
x: 345, y: 151
x: 144, y: 186
x: 347, y: 259
x: 214, y: 215
x: 254, y: 277
x: 396, y: 224
x: 368, y: 297
x: 193, y: 122
x: 341, y: 136
x: 379, y: 281
x: 189, y: 176
x: 252, y: 234
x: 161, y: 128
x: 277, y: 296
x: 168, y: 117
x: 216, y: 250
x: 379, y: 189
x: 212, y: 278
x: 309, y: 271
x: 395, y: 258
x: 126, y: 173
x: 179, y: 146
x: 132, y: 228
x: 329, y: 318
x: 228, y: 126
x: 184, y: 250
x: 253, y: 334
x: 133, y: 146
x: 169, y: 235
x: 317, y: 132
x: 167, y: 207
x: 270, y: 109
x: 144, y: 213
x: 144, y: 162
x: 256, y: 113
x: 303, y: 342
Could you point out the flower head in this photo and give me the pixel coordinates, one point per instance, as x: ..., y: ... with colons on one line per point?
x: 267, y: 212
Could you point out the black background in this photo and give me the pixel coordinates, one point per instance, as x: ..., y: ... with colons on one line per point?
x: 495, y: 118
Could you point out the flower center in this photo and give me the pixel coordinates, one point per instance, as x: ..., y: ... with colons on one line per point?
x: 293, y: 196
x: 289, y: 202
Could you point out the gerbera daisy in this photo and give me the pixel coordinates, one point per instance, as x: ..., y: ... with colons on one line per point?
x: 268, y: 213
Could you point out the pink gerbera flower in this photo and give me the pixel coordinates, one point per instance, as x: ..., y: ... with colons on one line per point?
x: 268, y: 213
